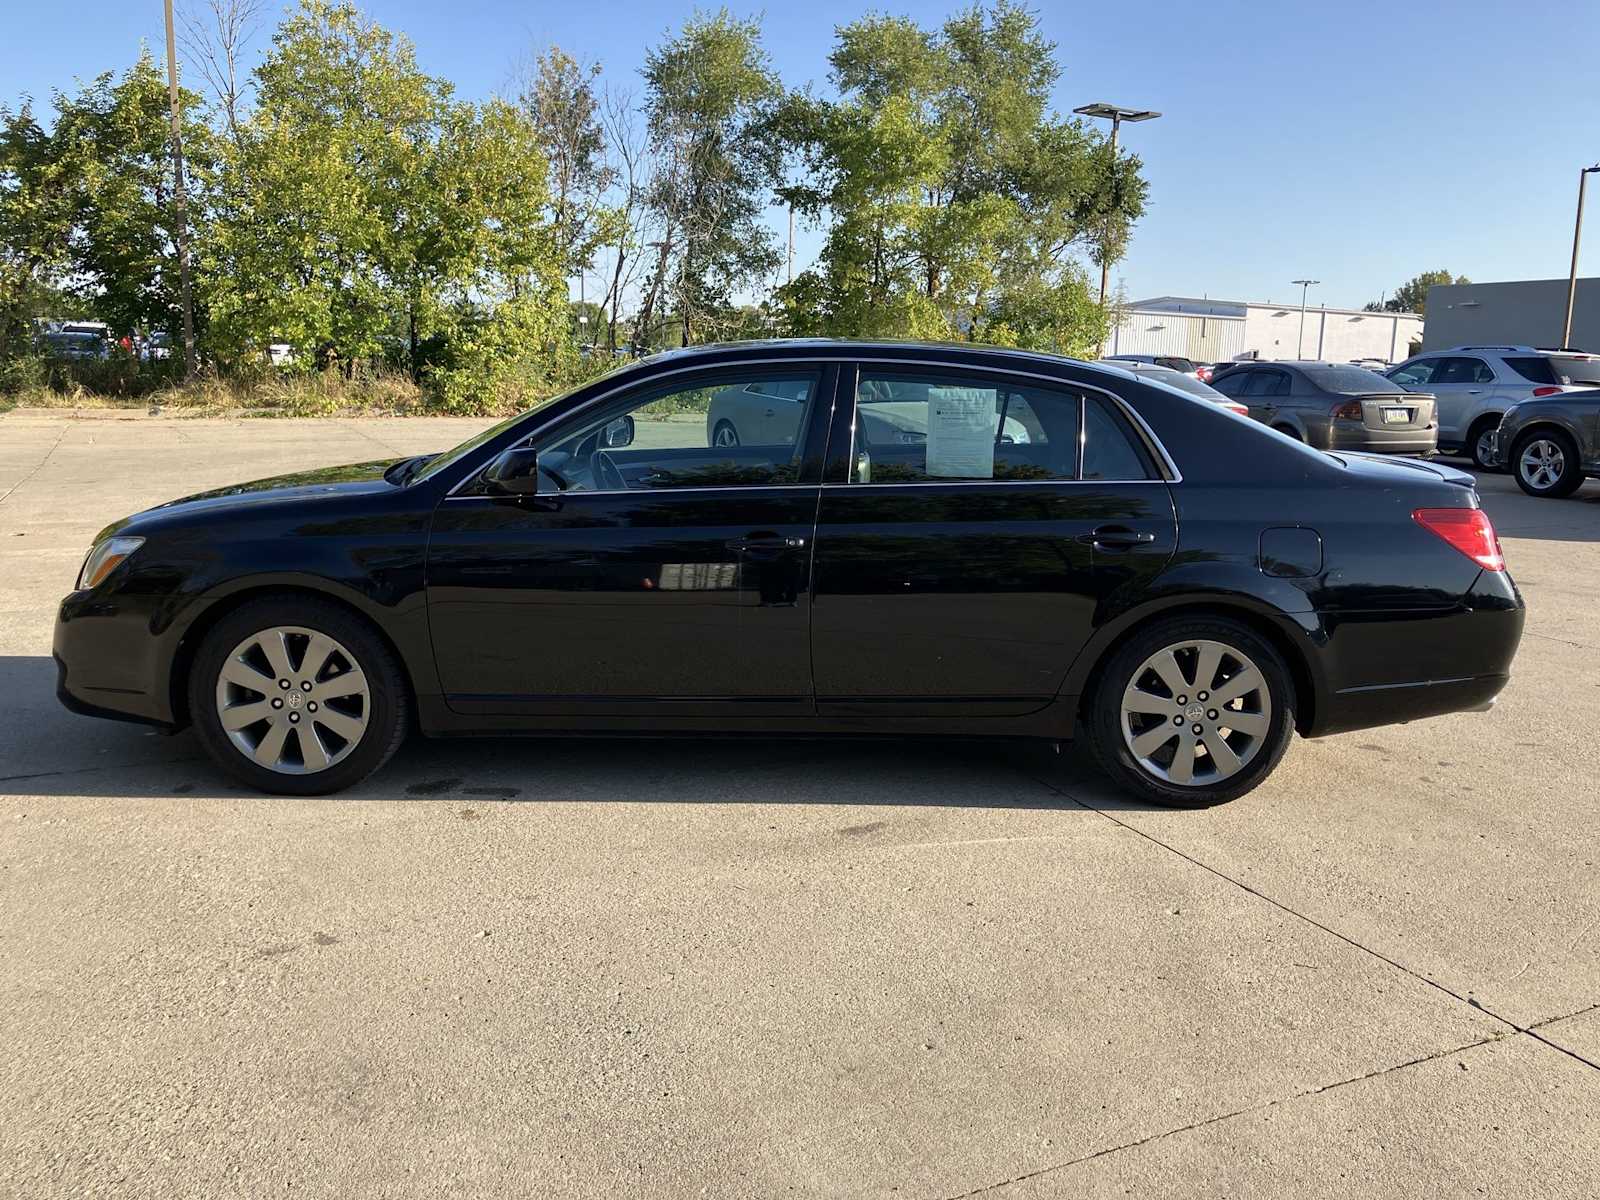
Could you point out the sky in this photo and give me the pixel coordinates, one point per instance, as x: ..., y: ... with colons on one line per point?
x: 1355, y: 143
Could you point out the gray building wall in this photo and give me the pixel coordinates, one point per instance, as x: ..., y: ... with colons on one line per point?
x: 1223, y: 330
x: 1524, y: 312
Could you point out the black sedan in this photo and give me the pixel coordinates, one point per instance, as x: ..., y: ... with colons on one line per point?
x: 952, y: 541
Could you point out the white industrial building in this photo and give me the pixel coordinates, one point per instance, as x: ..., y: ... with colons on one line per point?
x: 1206, y: 330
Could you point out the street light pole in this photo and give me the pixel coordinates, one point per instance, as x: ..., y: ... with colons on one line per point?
x: 1572, y: 278
x: 1117, y: 115
x: 1305, y: 286
x: 181, y: 215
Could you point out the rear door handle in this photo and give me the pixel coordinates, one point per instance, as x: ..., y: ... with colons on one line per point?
x: 1116, y: 537
x: 768, y: 545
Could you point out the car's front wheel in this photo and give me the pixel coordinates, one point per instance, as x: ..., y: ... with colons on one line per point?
x: 725, y: 434
x: 1480, y: 442
x: 1192, y: 711
x: 297, y: 696
x: 1546, y: 463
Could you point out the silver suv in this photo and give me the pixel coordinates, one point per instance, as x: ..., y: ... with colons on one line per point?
x: 1476, y: 385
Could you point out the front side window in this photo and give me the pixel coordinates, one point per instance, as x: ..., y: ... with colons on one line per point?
x: 917, y: 428
x: 1415, y: 374
x: 1462, y: 370
x: 727, y: 431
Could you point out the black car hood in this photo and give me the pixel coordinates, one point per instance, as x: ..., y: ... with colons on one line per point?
x: 356, y: 479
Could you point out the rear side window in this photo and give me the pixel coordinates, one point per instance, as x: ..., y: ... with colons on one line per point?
x: 930, y: 428
x: 1462, y: 370
x: 1574, y: 370
x: 1111, y: 450
x: 1231, y: 384
x: 1534, y: 370
x: 1267, y: 383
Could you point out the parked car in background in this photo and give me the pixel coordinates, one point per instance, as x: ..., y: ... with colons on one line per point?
x: 598, y: 565
x: 1334, y: 406
x: 75, y: 346
x: 1173, y: 362
x: 1551, y: 444
x: 1184, y: 383
x: 280, y: 354
x: 1476, y: 385
x: 157, y: 347
x: 1379, y: 365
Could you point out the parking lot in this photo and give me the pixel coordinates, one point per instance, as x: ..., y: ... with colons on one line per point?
x: 752, y: 968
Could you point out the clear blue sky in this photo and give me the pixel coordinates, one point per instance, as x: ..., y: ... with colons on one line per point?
x: 1355, y: 143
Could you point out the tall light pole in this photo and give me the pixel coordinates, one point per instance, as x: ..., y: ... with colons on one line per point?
x: 181, y: 215
x: 1305, y: 286
x: 1116, y: 114
x: 1577, y: 233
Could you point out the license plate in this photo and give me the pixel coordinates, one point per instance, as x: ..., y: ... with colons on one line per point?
x: 1397, y: 416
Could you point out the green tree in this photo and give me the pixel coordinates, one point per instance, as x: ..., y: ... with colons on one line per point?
x: 955, y: 199
x: 363, y: 206
x: 37, y: 202
x: 710, y: 92
x: 1412, y: 295
x: 560, y: 100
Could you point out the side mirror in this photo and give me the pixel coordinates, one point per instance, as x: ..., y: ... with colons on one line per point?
x: 514, y: 473
x: 617, y: 434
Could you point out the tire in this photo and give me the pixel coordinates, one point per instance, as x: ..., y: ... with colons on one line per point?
x: 1476, y: 447
x: 353, y: 715
x: 1552, y: 468
x: 1289, y: 431
x: 725, y: 434
x: 1115, y: 728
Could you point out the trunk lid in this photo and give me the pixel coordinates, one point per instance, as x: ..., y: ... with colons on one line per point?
x: 1397, y: 410
x: 1391, y: 468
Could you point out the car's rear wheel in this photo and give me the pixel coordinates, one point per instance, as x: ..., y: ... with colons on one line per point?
x: 1545, y: 462
x: 1192, y: 711
x: 724, y: 434
x: 1289, y: 431
x: 1480, y: 441
x: 297, y: 696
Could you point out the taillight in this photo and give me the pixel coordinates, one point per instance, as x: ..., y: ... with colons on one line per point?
x: 1236, y: 408
x: 1203, y: 374
x: 1546, y: 391
x: 1468, y: 530
x: 1348, y: 411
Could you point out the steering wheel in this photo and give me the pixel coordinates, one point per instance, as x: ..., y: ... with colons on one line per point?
x: 607, y: 478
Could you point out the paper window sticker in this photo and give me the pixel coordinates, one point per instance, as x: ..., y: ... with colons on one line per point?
x: 961, y: 432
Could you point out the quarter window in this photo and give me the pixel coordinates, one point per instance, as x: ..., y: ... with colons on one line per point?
x: 1110, y: 449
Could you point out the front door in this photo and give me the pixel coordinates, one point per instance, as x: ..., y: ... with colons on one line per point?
x: 663, y: 570
x: 971, y: 526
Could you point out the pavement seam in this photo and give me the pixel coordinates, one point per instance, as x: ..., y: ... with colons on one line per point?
x: 107, y: 767
x: 1469, y: 1000
x: 1278, y: 904
x: 38, y: 467
x: 1238, y: 1112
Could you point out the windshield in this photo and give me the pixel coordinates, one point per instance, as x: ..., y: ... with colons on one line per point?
x: 1351, y: 381
x: 441, y: 461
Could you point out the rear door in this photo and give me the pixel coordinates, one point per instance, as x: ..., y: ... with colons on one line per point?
x: 971, y: 523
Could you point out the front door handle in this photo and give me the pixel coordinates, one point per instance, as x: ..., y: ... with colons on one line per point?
x: 1116, y: 537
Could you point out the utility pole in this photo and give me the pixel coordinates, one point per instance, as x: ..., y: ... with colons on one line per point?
x: 1305, y: 286
x: 181, y: 216
x: 1117, y: 115
x: 791, y: 242
x: 1572, y: 279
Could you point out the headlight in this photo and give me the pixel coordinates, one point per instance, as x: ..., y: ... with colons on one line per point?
x: 104, y: 557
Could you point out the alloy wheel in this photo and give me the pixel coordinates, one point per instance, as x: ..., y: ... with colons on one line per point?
x: 293, y: 700
x: 1196, y: 713
x: 1541, y: 464
x: 725, y: 435
x: 1484, y: 444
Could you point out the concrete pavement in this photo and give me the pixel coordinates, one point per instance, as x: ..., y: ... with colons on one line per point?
x: 758, y: 968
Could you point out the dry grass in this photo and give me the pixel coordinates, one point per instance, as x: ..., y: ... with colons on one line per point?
x: 326, y: 395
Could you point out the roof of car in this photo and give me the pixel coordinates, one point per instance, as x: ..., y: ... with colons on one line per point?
x: 976, y: 351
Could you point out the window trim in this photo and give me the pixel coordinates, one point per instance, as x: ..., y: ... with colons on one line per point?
x: 847, y: 364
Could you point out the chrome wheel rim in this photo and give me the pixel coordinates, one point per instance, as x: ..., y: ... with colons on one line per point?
x: 725, y: 435
x: 1485, y: 444
x: 1196, y: 713
x: 1541, y: 464
x: 293, y: 700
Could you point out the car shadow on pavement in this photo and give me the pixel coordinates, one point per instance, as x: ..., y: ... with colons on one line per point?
x: 47, y: 751
x: 1518, y: 515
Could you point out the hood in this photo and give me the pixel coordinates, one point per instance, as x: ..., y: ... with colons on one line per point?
x: 356, y: 479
